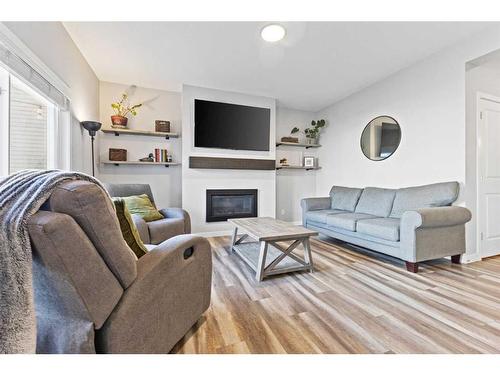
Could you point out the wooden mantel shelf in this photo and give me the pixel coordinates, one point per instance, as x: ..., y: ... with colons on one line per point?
x: 147, y: 133
x: 205, y: 162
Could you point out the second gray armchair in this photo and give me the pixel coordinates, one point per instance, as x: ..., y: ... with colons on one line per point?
x: 176, y: 220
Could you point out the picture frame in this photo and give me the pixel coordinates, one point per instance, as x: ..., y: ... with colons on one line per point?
x: 309, y: 161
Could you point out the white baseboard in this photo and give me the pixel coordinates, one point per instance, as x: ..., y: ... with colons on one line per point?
x: 470, y: 258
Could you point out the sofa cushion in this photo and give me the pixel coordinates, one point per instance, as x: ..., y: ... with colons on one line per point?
x: 434, y: 195
x: 319, y: 216
x: 386, y: 228
x: 344, y: 198
x: 347, y: 220
x: 376, y: 201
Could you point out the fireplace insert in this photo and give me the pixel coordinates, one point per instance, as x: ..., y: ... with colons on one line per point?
x: 231, y: 204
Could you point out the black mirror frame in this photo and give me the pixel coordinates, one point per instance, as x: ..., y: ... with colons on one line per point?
x: 369, y: 122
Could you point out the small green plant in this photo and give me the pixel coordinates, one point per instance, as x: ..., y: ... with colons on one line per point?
x: 313, y: 131
x: 123, y: 108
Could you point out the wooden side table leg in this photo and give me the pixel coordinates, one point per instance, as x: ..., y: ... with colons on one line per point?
x: 262, y: 261
x: 233, y: 239
x: 308, y: 254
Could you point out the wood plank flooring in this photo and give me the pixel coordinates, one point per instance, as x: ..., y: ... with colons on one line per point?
x: 355, y: 302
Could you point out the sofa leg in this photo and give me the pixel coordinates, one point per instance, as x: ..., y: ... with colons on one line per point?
x: 455, y: 259
x: 412, y: 267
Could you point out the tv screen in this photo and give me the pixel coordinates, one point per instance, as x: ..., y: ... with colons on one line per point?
x: 231, y: 126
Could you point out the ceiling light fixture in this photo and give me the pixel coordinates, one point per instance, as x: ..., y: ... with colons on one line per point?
x: 273, y: 33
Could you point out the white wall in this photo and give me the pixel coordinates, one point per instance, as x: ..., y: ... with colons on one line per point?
x: 293, y: 185
x: 428, y: 100
x: 158, y: 105
x: 197, y: 181
x: 53, y: 45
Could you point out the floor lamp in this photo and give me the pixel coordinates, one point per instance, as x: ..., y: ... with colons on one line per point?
x: 92, y: 127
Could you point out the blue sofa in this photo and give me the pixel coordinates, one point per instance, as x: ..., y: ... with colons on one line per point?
x: 414, y: 224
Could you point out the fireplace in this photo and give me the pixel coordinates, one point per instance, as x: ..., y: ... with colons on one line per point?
x: 231, y: 204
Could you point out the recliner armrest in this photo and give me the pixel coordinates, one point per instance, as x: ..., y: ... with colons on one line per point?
x: 436, y: 217
x: 312, y: 204
x: 180, y: 214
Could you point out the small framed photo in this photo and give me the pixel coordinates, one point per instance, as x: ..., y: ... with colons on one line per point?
x: 309, y: 161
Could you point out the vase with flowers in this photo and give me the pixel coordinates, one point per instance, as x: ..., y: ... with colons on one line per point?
x: 122, y: 109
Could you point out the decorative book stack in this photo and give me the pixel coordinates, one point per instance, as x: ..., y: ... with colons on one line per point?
x: 161, y: 155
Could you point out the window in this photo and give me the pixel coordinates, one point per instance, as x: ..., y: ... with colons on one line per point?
x: 28, y: 127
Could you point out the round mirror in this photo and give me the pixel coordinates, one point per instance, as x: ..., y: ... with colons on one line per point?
x: 380, y: 138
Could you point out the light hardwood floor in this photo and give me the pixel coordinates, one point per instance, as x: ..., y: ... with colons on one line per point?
x: 355, y: 302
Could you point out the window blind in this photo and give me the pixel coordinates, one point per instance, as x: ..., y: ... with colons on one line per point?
x: 24, y: 71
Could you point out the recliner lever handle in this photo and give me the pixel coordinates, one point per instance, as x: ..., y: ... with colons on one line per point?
x: 188, y: 252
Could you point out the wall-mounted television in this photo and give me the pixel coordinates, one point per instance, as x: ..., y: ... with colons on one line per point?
x: 231, y: 126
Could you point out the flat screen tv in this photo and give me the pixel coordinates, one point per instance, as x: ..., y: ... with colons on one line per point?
x: 231, y: 126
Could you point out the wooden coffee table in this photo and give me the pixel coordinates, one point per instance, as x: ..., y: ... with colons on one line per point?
x: 266, y: 254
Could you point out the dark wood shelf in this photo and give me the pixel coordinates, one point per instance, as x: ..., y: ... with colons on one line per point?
x: 205, y: 162
x: 146, y: 133
x: 293, y: 144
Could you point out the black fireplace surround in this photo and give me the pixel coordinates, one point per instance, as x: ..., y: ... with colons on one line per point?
x: 231, y: 204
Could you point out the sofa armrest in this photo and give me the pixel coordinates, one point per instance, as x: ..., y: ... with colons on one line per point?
x: 312, y: 204
x: 171, y: 291
x: 435, y: 217
x: 180, y: 214
x: 142, y: 228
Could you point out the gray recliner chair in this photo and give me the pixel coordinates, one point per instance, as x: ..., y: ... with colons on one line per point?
x: 176, y: 221
x: 93, y: 294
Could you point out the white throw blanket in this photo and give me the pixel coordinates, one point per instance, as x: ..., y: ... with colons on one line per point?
x: 21, y: 195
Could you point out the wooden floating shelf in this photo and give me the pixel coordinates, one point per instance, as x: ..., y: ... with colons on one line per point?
x: 147, y: 133
x: 142, y: 163
x: 278, y: 167
x: 205, y: 162
x: 293, y: 144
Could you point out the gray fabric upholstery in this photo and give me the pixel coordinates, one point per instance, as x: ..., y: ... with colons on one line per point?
x: 54, y: 237
x: 319, y: 203
x: 344, y: 198
x: 320, y: 216
x: 152, y: 316
x: 142, y: 228
x: 94, y: 212
x: 346, y: 220
x: 170, y: 290
x: 376, y: 201
x: 178, y: 213
x: 163, y: 229
x: 421, y: 224
x: 387, y: 228
x: 154, y: 232
x: 434, y: 195
x: 127, y: 190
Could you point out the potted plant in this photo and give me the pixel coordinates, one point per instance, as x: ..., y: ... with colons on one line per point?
x: 312, y: 133
x: 122, y: 109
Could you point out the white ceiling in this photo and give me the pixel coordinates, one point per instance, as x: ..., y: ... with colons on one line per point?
x: 317, y: 64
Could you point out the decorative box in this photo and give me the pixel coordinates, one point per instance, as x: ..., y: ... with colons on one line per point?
x: 290, y: 139
x: 117, y: 154
x: 162, y: 126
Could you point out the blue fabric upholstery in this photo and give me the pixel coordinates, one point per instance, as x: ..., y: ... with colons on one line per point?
x: 320, y: 216
x: 387, y: 228
x: 435, y: 195
x: 344, y: 198
x: 347, y: 220
x: 376, y: 201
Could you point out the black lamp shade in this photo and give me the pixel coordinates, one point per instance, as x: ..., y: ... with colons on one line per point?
x: 91, y: 126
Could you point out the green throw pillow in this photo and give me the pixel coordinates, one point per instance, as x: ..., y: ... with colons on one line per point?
x: 128, y: 228
x: 142, y: 206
